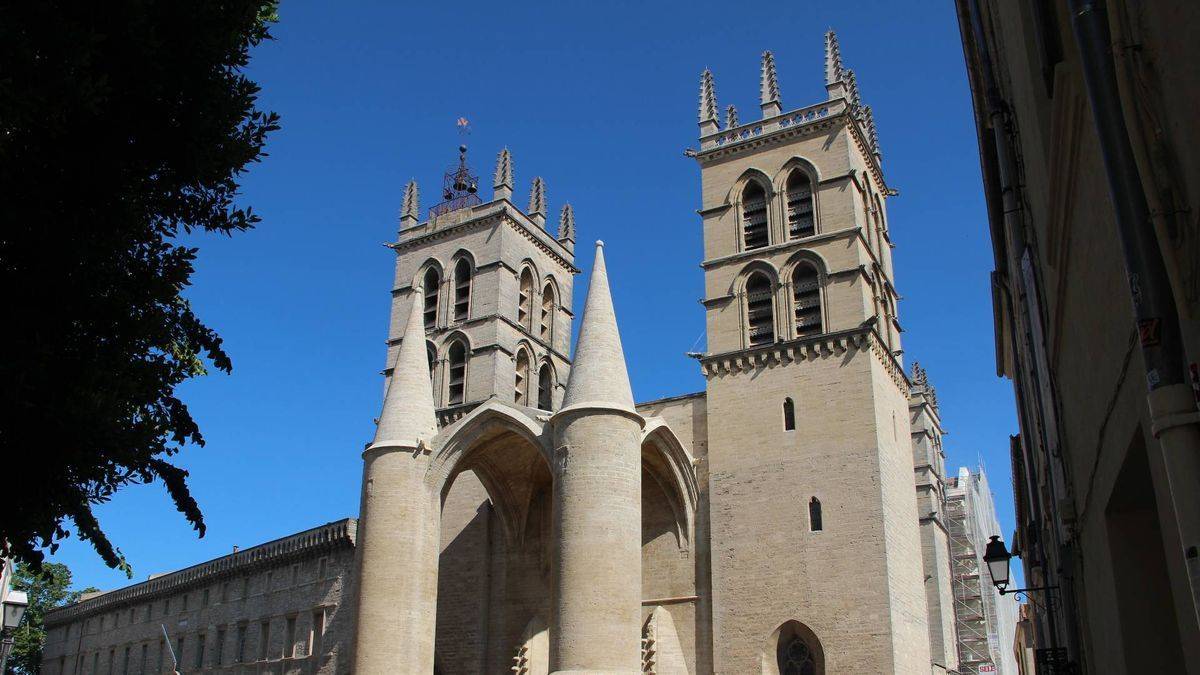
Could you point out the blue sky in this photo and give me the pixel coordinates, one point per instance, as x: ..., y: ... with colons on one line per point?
x: 598, y: 98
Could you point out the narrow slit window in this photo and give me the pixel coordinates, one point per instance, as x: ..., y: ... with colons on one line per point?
x: 545, y: 387
x: 547, y: 312
x: 754, y: 217
x: 458, y: 373
x: 760, y: 310
x: 525, y: 300
x: 431, y: 283
x: 789, y: 415
x: 462, y: 290
x: 806, y: 298
x: 814, y: 515
x: 801, y: 220
x: 521, y: 382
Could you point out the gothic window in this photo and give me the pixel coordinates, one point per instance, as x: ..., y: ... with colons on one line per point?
x: 431, y: 354
x: 431, y: 282
x: 796, y: 658
x: 545, y: 387
x: 547, y: 312
x: 754, y: 217
x: 462, y: 290
x: 806, y: 298
x: 814, y: 514
x: 760, y: 309
x: 521, y: 383
x: 457, y: 357
x: 789, y: 415
x: 801, y: 221
x: 525, y: 300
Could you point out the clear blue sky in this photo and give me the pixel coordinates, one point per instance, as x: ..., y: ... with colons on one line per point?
x: 598, y: 98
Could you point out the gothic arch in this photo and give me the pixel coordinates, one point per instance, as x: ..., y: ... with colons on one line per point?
x: 755, y: 285
x: 734, y: 196
x: 743, y: 275
x: 429, y: 262
x: 548, y: 305
x: 547, y: 383
x: 795, y: 644
x: 796, y: 162
x: 527, y: 293
x: 670, y: 464
x: 462, y: 264
x: 807, y: 208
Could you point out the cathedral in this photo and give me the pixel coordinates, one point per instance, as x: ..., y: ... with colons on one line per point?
x: 521, y: 512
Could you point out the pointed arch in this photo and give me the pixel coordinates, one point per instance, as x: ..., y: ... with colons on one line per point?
x: 669, y: 463
x: 756, y: 231
x: 546, y: 383
x: 525, y: 291
x: 760, y: 309
x: 522, y: 360
x: 806, y: 299
x: 458, y: 355
x: 800, y: 192
x: 793, y: 649
x: 464, y: 274
x: 431, y: 282
x: 548, y: 310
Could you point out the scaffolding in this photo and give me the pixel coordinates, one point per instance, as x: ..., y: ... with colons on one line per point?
x: 985, y: 619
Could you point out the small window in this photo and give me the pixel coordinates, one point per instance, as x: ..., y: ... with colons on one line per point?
x: 199, y: 651
x: 269, y: 583
x: 431, y: 282
x: 239, y: 652
x: 457, y: 357
x: 204, y: 598
x: 760, y: 310
x: 801, y: 222
x: 754, y: 217
x: 789, y: 415
x: 162, y: 647
x: 545, y: 387
x: 814, y: 514
x: 185, y: 603
x: 264, y: 639
x: 295, y: 574
x: 321, y: 566
x: 219, y: 656
x: 145, y: 658
x: 462, y: 290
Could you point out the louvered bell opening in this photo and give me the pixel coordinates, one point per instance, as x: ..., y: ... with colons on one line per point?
x: 762, y: 326
x: 800, y: 211
x: 806, y: 289
x: 754, y: 215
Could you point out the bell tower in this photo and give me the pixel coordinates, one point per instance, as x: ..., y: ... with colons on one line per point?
x: 815, y: 545
x: 496, y: 287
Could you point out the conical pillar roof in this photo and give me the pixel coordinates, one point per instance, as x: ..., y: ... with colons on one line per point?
x: 408, y: 415
x: 599, y: 378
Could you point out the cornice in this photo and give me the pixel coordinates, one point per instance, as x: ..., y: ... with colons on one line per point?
x: 337, y: 534
x: 781, y: 247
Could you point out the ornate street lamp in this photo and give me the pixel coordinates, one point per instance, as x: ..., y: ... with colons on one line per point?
x: 998, y: 559
x: 14, y: 611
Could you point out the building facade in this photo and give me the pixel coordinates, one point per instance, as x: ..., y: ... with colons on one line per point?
x: 1087, y: 130
x: 522, y: 513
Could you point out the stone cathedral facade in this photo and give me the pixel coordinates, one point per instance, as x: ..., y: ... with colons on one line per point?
x: 522, y: 513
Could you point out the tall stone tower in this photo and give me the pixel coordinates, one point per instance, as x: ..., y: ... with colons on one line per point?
x: 474, y: 261
x: 812, y: 507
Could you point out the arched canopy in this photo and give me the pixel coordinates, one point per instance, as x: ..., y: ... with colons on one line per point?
x: 670, y: 464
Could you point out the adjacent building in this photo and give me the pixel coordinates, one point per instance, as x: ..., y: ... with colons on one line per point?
x: 1087, y: 122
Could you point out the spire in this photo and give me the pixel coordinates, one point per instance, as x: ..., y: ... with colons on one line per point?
x: 852, y: 93
x: 408, y: 418
x: 537, y: 201
x: 598, y: 375
x: 769, y: 86
x: 503, y: 184
x: 834, y: 72
x: 731, y: 119
x: 411, y: 206
x: 919, y: 377
x: 708, y: 104
x: 566, y: 228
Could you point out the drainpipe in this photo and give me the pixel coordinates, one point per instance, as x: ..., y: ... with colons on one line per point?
x: 1172, y: 403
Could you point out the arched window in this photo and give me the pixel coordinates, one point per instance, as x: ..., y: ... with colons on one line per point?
x: 525, y: 300
x: 547, y: 312
x: 795, y: 657
x: 462, y: 290
x: 521, y: 383
x: 760, y: 309
x: 431, y: 354
x: 754, y: 217
x: 789, y: 415
x: 457, y: 357
x: 431, y: 282
x: 806, y: 298
x: 814, y: 514
x: 801, y: 220
x: 545, y: 387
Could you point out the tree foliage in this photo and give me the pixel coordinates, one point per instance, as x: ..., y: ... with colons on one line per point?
x: 125, y: 125
x: 46, y: 591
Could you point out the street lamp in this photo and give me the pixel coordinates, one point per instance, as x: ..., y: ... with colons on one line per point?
x: 14, y: 611
x: 998, y: 559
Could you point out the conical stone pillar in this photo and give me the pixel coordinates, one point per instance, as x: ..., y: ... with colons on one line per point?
x: 398, y: 536
x: 597, y: 566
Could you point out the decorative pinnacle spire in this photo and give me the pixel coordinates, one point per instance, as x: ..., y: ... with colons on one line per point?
x: 408, y: 419
x: 566, y: 227
x: 834, y: 72
x: 769, y: 85
x: 919, y: 377
x: 537, y: 201
x: 411, y: 206
x: 731, y: 119
x: 852, y: 92
x: 708, y: 104
x: 872, y: 132
x: 599, y: 378
x: 503, y: 183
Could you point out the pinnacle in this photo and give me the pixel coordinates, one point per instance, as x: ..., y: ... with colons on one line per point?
x: 731, y: 117
x: 411, y: 206
x: 769, y: 81
x: 599, y: 377
x: 408, y: 417
x: 708, y: 98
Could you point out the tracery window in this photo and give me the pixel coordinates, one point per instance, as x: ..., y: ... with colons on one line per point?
x: 754, y: 217
x: 457, y: 358
x: 545, y: 387
x: 806, y: 299
x: 800, y: 212
x: 462, y: 290
x: 760, y: 309
x: 796, y: 658
x: 431, y: 282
